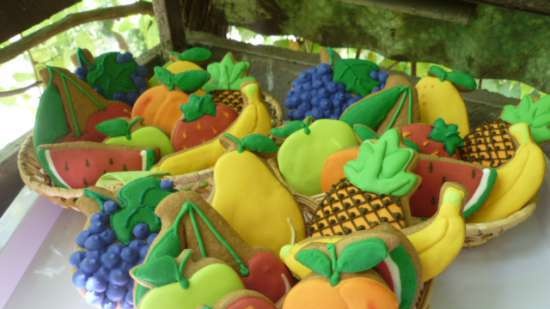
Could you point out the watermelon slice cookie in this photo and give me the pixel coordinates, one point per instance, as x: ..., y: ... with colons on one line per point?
x: 440, y: 139
x: 80, y: 164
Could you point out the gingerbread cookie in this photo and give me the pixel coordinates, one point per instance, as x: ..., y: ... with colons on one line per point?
x: 188, y: 60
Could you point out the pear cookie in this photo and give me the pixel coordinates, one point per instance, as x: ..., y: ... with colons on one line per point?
x: 188, y: 222
x: 251, y: 198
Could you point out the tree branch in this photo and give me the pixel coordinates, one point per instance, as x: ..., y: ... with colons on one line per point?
x: 13, y: 50
x: 9, y: 93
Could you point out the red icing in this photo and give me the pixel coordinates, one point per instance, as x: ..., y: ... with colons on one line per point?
x: 419, y: 133
x: 113, y: 110
x: 434, y: 172
x: 266, y: 271
x: 249, y: 302
x: 81, y: 167
x: 384, y: 271
x: 188, y: 134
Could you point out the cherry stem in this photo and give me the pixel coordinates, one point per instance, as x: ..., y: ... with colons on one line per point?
x: 184, y: 282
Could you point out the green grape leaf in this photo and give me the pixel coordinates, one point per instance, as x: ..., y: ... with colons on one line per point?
x: 316, y: 260
x: 165, y: 77
x: 197, y: 107
x: 259, y: 143
x: 191, y: 81
x: 382, y: 166
x: 333, y: 56
x: 157, y: 272
x: 461, y: 80
x: 114, y: 127
x: 362, y: 255
x: 355, y: 75
x: 448, y: 134
x: 364, y: 132
x: 195, y: 54
x: 535, y: 114
x: 227, y: 74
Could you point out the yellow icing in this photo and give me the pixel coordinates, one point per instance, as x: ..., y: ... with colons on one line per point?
x: 518, y: 180
x: 288, y: 252
x: 440, y: 99
x: 207, y: 286
x: 146, y: 137
x: 254, y: 118
x: 254, y: 202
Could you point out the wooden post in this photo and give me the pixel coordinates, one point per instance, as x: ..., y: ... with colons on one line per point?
x: 169, y: 16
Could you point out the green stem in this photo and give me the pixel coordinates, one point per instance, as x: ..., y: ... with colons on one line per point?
x: 183, y: 281
x: 197, y: 232
x: 307, y: 122
x: 395, y: 115
x: 410, y: 94
x: 236, y: 141
x: 78, y: 131
x: 335, y: 277
x: 131, y: 124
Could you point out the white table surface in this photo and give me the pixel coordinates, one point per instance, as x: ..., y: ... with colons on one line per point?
x: 509, y: 272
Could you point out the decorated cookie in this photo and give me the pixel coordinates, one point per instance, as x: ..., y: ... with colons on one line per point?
x: 326, y: 90
x: 69, y: 109
x: 187, y: 60
x: 160, y: 105
x: 440, y: 139
x: 116, y: 237
x: 369, y: 269
x: 374, y: 189
x: 393, y: 106
x: 304, y: 151
x: 188, y: 222
x: 241, y: 170
x: 244, y: 299
x: 119, y: 131
x: 202, y: 121
x: 492, y: 144
x: 254, y: 118
x: 116, y: 76
x: 80, y: 164
x: 519, y: 179
x: 439, y: 97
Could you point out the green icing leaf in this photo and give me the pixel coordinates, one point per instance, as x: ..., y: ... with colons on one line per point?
x: 333, y: 56
x: 165, y: 77
x: 227, y: 74
x: 98, y: 198
x: 355, y: 75
x: 111, y: 76
x: 315, y: 260
x: 535, y: 114
x: 114, y: 127
x: 191, y: 81
x: 381, y: 166
x: 259, y: 143
x: 195, y: 54
x: 292, y: 126
x: 363, y: 132
x: 158, y: 272
x: 362, y: 255
x: 461, y: 80
x: 197, y: 107
x: 447, y: 134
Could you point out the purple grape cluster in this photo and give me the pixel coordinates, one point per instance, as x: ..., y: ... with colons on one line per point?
x: 139, y: 78
x: 102, y: 266
x: 315, y: 93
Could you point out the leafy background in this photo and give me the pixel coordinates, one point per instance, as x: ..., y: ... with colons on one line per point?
x: 137, y: 34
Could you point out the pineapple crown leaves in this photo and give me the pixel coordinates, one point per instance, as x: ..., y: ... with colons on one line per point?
x: 118, y: 127
x: 381, y: 166
x: 447, y: 134
x: 290, y: 127
x: 255, y: 142
x: 228, y: 74
x: 194, y: 54
x: 162, y: 271
x: 461, y: 80
x: 188, y: 82
x: 535, y: 114
x: 355, y: 74
x: 356, y: 257
x: 197, y: 107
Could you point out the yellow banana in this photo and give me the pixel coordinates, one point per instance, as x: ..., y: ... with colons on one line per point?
x: 254, y: 118
x: 518, y: 180
x: 440, y: 240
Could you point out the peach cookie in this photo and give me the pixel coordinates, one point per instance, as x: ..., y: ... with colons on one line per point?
x: 369, y: 269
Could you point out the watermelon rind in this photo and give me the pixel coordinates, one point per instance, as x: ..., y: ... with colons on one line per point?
x: 404, y: 276
x: 482, y: 192
x: 46, y: 162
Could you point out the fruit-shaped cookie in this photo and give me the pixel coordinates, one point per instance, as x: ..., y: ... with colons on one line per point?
x: 373, y: 190
x: 305, y: 149
x: 160, y: 105
x: 119, y: 132
x: 260, y: 216
x: 202, y: 120
x: 370, y: 269
x: 187, y: 60
x: 254, y: 118
x: 227, y: 78
x: 395, y: 105
x: 244, y: 299
x: 519, y: 179
x: 114, y: 75
x: 69, y: 109
x: 440, y: 139
x: 80, y: 164
x: 117, y: 235
x: 492, y: 144
x: 188, y: 222
x: 326, y: 90
x: 439, y: 97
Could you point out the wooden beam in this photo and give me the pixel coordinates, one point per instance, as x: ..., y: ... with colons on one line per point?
x: 534, y: 6
x: 70, y: 21
x: 452, y: 11
x: 169, y: 16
